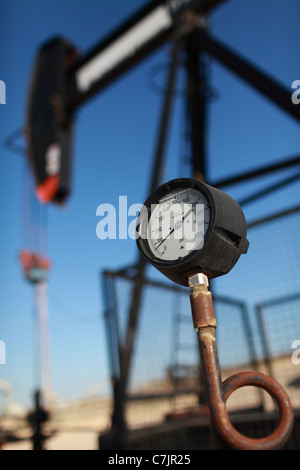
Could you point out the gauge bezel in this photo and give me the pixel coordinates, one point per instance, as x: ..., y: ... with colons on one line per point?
x: 224, y: 241
x: 154, y: 200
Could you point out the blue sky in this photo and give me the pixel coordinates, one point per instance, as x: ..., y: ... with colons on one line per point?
x: 113, y: 147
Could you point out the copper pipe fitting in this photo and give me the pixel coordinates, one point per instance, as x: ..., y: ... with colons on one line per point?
x: 217, y: 392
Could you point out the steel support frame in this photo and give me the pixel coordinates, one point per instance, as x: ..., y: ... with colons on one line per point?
x: 126, y: 352
x: 178, y: 11
x: 198, y: 43
x: 250, y: 73
x: 196, y: 105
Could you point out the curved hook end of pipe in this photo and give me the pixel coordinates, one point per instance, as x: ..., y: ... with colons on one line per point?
x: 278, y: 438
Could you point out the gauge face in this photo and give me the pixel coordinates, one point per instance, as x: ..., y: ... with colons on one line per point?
x: 187, y: 227
x: 178, y: 224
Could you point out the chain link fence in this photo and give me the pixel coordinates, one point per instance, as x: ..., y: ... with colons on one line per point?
x: 257, y: 307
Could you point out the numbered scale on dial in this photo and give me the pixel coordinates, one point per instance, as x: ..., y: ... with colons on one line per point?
x: 178, y: 224
x: 187, y: 226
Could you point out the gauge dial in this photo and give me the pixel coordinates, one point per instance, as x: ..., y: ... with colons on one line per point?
x: 187, y: 226
x: 178, y: 224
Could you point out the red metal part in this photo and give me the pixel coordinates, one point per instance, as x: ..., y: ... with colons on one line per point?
x: 285, y: 426
x: 30, y: 259
x: 46, y: 190
x: 218, y: 392
x: 35, y: 267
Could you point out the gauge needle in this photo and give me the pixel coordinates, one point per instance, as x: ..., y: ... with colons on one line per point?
x: 177, y: 225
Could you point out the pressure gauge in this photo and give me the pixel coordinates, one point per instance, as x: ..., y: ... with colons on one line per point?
x: 187, y: 226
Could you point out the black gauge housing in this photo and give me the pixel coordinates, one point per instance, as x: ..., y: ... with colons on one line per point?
x: 224, y: 241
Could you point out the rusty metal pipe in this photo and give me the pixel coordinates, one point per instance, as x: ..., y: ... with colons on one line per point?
x: 217, y: 392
